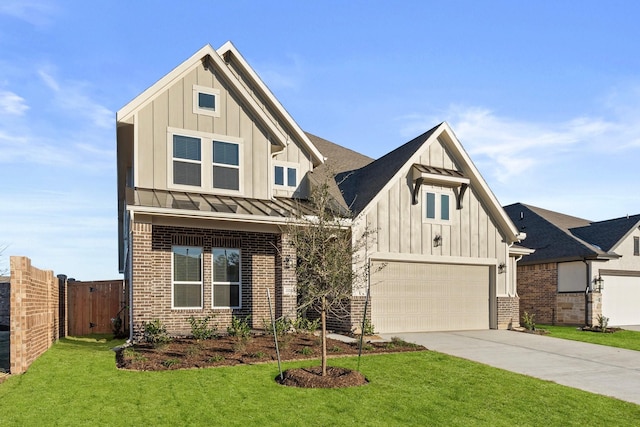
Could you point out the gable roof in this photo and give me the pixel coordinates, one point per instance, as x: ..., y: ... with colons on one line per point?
x: 607, y: 234
x: 211, y: 56
x: 362, y: 187
x: 557, y: 237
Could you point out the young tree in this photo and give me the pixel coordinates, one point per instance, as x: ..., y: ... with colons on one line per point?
x: 328, y: 267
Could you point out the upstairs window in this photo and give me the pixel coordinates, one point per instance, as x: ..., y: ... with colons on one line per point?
x: 186, y: 277
x: 226, y: 278
x: 437, y: 206
x: 187, y: 160
x: 285, y: 176
x: 206, y: 101
x: 226, y: 165
x: 636, y: 246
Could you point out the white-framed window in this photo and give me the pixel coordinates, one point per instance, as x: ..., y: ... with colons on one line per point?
x: 636, y: 246
x: 285, y: 175
x: 186, y: 277
x: 206, y: 161
x: 437, y: 206
x: 226, y: 275
x: 187, y: 160
x: 206, y: 101
x: 226, y: 165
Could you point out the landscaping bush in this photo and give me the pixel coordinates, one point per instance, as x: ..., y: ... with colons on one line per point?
x: 155, y: 333
x: 239, y: 328
x: 200, y: 329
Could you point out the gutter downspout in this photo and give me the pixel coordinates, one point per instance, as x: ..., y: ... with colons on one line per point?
x: 586, y: 294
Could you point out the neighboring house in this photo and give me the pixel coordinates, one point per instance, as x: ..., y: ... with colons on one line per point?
x: 573, y: 258
x: 211, y: 168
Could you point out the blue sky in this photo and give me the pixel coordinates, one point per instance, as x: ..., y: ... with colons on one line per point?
x: 544, y: 96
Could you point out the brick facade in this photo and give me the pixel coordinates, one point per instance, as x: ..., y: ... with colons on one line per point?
x: 5, y: 290
x: 263, y: 263
x: 508, y: 312
x: 537, y: 289
x: 34, y: 319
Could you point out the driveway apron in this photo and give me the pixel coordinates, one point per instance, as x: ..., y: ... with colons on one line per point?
x: 595, y: 368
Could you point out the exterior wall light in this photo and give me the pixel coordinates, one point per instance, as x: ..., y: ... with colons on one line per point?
x: 598, y: 284
x: 437, y: 241
x: 287, y: 262
x: 502, y: 267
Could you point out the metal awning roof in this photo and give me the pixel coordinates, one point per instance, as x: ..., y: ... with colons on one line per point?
x: 198, y: 204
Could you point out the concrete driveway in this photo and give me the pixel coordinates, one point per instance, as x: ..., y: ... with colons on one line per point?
x: 595, y: 368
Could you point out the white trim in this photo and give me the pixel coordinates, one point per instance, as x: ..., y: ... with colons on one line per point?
x: 214, y: 283
x: 286, y: 166
x: 229, y: 47
x: 461, y: 157
x: 206, y: 161
x: 432, y: 259
x: 173, y: 283
x: 197, y: 90
x: 125, y: 114
x: 438, y: 192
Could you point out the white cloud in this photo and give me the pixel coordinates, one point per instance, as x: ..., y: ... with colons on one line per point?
x: 35, y: 12
x: 12, y: 104
x: 74, y: 97
x: 282, y: 76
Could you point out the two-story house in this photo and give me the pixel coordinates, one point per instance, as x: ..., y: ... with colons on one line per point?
x: 210, y: 169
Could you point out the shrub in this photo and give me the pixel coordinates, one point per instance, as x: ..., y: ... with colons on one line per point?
x: 216, y: 358
x: 528, y: 321
x: 155, y: 333
x: 200, y: 329
x: 307, y: 351
x: 305, y: 325
x: 116, y: 327
x: 239, y: 328
x: 603, y: 322
x: 283, y: 326
x: 368, y: 328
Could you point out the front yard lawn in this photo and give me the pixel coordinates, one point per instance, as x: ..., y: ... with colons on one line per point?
x: 622, y: 339
x: 76, y: 383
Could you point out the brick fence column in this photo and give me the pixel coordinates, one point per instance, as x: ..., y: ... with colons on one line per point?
x: 286, y: 292
x: 20, y: 272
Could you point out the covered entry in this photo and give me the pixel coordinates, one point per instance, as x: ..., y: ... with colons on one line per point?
x: 413, y: 297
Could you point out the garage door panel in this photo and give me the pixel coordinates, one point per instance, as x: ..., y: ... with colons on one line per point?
x: 427, y: 297
x: 621, y: 300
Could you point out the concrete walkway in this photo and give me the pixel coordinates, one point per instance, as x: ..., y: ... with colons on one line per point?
x: 595, y: 368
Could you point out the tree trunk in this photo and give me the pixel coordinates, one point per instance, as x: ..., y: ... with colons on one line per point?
x: 323, y: 317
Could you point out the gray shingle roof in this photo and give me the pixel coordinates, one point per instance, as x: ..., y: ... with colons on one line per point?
x: 559, y: 237
x: 361, y: 185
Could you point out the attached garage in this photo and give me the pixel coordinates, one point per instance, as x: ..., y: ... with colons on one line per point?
x: 621, y: 300
x: 413, y: 297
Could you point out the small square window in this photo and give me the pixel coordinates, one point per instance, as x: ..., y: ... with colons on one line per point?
x: 206, y: 101
x: 285, y: 176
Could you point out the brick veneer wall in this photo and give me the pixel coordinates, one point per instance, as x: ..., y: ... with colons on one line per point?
x: 34, y: 319
x: 5, y: 290
x: 537, y: 289
x: 572, y: 305
x: 351, y: 319
x: 261, y: 268
x: 508, y: 312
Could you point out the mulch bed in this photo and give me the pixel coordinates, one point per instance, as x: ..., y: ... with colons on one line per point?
x: 186, y: 353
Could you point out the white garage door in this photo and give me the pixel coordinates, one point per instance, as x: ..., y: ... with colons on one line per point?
x: 412, y: 297
x: 621, y: 300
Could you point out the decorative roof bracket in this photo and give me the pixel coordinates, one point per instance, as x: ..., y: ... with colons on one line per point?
x: 460, y: 195
x: 416, y: 190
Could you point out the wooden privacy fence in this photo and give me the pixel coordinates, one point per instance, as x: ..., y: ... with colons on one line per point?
x: 92, y: 305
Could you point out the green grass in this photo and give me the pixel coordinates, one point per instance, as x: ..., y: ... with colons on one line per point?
x: 622, y: 339
x: 76, y: 383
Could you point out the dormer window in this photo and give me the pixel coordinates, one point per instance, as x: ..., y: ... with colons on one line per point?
x: 206, y: 101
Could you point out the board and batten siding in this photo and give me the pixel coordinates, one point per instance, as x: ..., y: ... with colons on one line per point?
x: 471, y: 234
x: 173, y: 108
